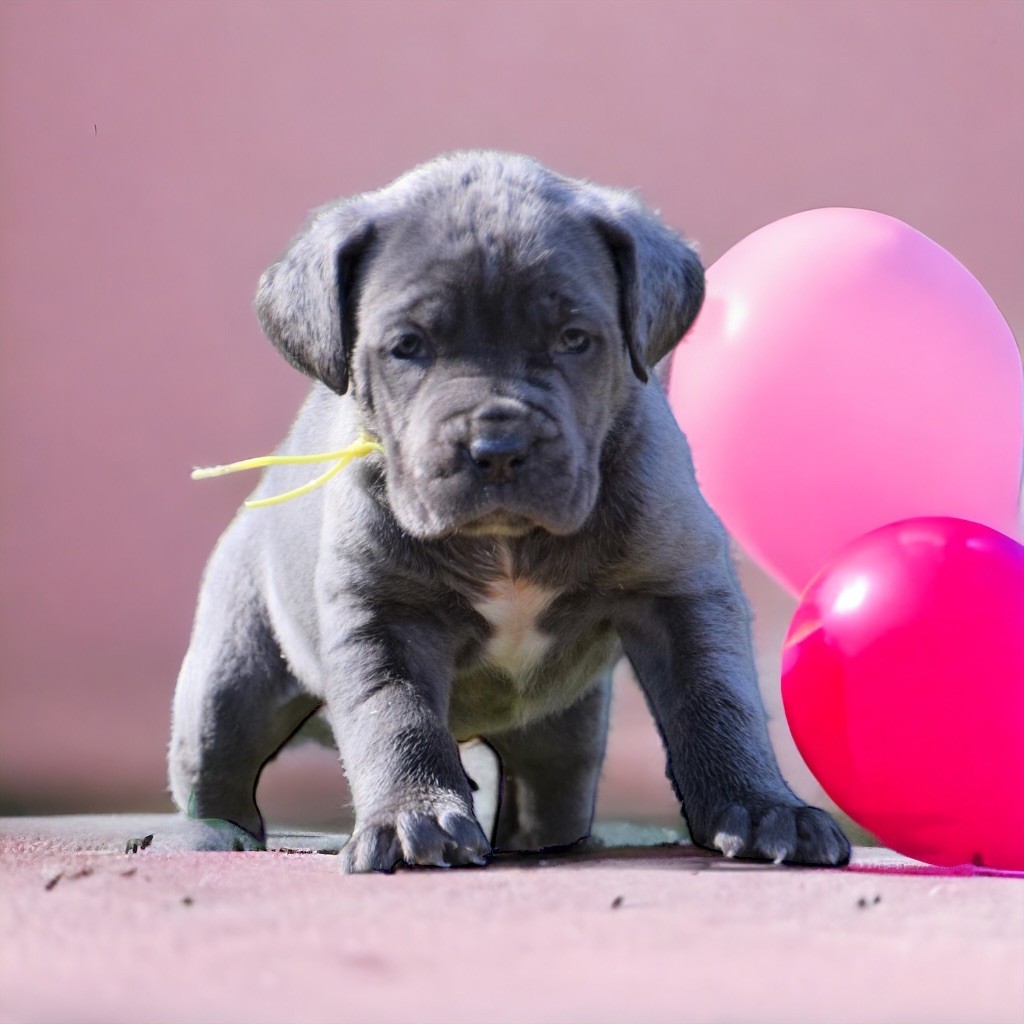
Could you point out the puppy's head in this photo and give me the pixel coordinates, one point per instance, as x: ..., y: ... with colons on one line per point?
x: 494, y: 320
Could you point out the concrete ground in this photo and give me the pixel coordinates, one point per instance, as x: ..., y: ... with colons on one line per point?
x: 628, y: 932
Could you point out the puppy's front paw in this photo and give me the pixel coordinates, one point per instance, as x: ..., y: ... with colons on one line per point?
x: 426, y: 834
x: 790, y: 833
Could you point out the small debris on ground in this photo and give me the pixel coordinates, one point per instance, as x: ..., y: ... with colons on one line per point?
x: 617, y: 902
x: 134, y: 845
x: 865, y: 902
x: 82, y: 872
x: 187, y: 901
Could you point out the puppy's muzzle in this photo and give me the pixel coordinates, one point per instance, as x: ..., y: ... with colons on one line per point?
x: 499, y: 442
x: 497, y: 457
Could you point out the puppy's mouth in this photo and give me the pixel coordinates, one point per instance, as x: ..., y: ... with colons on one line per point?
x: 498, y: 524
x: 555, y: 498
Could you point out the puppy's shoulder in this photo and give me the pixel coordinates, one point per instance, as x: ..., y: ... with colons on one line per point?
x: 325, y: 421
x: 671, y: 523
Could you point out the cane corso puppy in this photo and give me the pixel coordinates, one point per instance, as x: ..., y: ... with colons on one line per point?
x: 532, y: 518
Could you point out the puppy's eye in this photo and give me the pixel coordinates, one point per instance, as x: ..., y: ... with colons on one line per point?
x: 574, y: 341
x: 409, y: 345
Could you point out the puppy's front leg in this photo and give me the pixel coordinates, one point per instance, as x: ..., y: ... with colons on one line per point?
x: 693, y: 655
x: 388, y: 683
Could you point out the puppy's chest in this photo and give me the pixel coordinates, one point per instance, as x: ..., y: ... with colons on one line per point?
x: 513, y: 608
x: 542, y: 649
x: 514, y: 603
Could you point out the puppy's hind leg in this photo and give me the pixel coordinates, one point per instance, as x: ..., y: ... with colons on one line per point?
x: 550, y: 771
x: 235, y: 706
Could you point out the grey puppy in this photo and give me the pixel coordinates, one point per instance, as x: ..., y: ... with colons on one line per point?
x: 534, y: 517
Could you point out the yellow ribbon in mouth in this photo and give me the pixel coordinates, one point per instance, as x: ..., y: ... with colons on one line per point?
x: 364, y: 445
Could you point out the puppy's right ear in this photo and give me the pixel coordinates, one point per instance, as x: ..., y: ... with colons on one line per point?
x: 305, y: 301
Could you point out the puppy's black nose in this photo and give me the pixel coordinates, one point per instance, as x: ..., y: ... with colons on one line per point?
x: 498, y: 456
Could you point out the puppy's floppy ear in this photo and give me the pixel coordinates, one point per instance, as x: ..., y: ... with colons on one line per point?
x: 305, y: 301
x: 661, y: 279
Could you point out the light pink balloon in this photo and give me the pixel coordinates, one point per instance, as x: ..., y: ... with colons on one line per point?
x: 847, y: 372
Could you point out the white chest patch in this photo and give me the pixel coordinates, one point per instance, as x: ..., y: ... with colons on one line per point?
x: 512, y: 607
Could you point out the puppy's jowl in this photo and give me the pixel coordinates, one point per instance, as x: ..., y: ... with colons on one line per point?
x: 532, y: 518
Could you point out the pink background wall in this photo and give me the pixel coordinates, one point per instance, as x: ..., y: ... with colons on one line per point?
x: 155, y: 157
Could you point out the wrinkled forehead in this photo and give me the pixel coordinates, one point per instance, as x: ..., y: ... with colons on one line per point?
x: 439, y: 270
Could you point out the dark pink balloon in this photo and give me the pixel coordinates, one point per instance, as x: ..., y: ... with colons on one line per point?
x: 903, y: 684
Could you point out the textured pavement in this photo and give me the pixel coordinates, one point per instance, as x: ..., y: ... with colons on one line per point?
x: 91, y: 935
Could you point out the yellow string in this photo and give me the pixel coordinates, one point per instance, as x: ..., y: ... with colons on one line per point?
x: 359, y: 449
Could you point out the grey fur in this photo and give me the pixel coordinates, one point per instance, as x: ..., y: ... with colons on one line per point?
x: 521, y: 466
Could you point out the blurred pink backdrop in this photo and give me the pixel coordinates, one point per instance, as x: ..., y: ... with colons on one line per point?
x: 155, y: 157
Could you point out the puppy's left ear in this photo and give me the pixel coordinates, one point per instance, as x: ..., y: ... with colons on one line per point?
x: 305, y: 301
x: 661, y: 279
